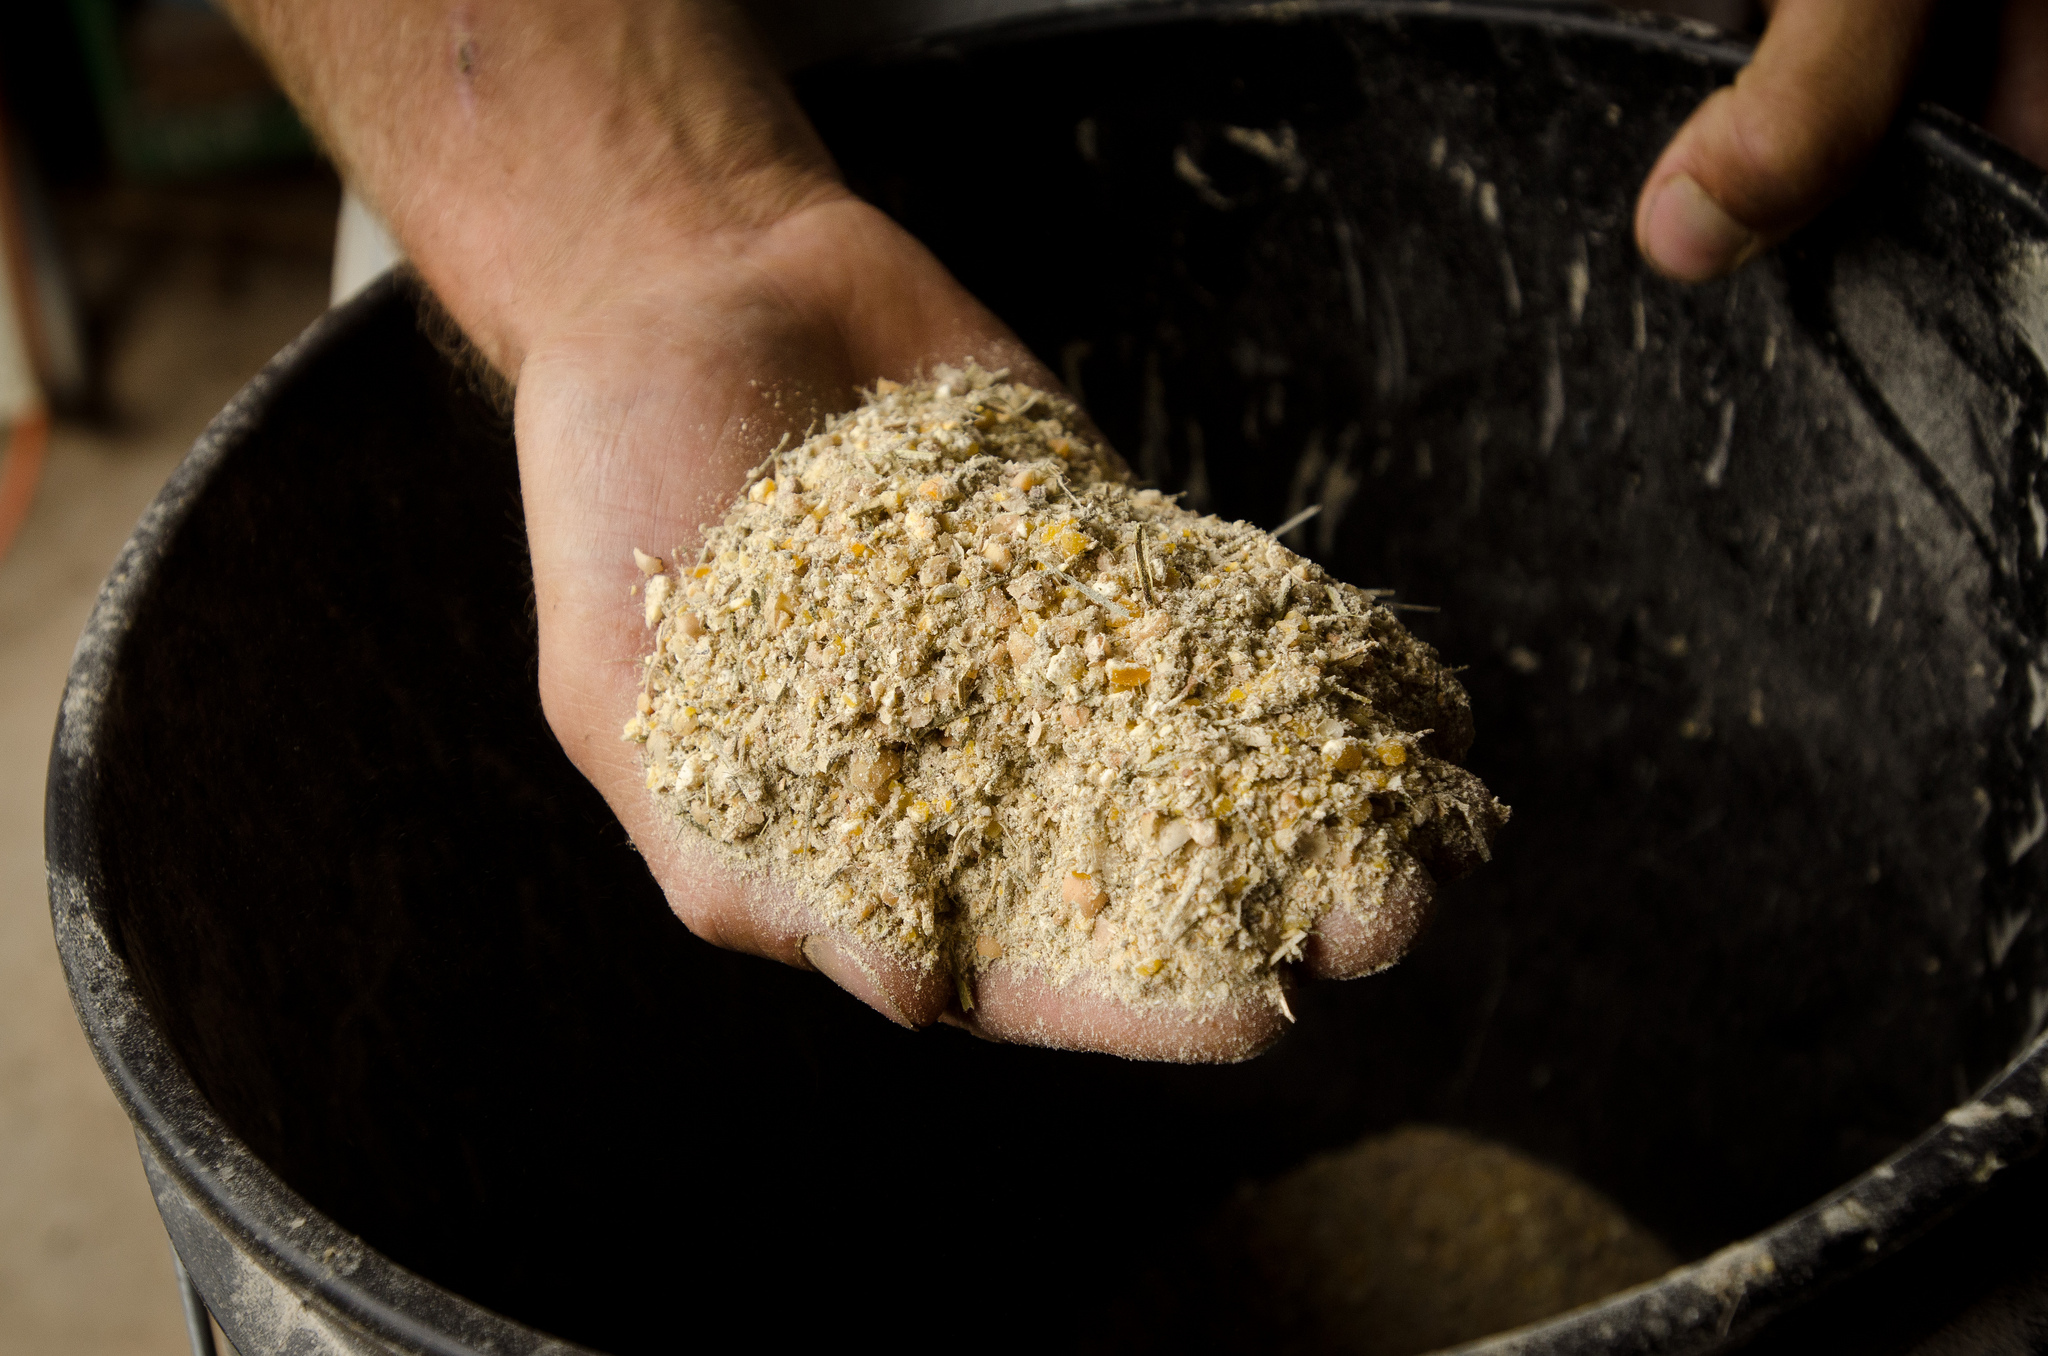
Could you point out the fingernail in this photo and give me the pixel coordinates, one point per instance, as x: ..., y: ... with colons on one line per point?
x: 838, y: 963
x: 1689, y: 236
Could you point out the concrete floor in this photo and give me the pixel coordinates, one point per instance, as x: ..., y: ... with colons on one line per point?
x: 84, y: 1265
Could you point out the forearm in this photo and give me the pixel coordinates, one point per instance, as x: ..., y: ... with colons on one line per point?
x: 532, y: 155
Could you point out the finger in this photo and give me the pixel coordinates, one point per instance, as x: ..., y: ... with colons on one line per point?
x: 1760, y: 157
x: 1015, y: 1005
x: 747, y: 911
x: 727, y: 907
x: 641, y: 421
x: 2018, y: 111
x: 600, y: 426
x: 908, y: 995
x: 1357, y: 938
x: 1451, y: 846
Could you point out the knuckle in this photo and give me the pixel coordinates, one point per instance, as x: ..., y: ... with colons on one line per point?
x: 1776, y: 156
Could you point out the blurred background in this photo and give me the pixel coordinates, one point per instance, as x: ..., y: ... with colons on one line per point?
x: 166, y: 224
x: 167, y: 227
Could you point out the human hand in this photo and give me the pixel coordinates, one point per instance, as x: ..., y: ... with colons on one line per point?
x: 1761, y: 157
x: 637, y: 418
x: 625, y: 212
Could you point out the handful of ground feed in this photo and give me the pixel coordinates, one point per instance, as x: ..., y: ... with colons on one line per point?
x: 946, y: 675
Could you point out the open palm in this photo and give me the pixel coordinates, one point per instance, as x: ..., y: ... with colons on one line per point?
x: 637, y: 424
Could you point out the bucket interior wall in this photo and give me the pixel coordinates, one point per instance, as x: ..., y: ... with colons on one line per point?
x: 1741, y: 574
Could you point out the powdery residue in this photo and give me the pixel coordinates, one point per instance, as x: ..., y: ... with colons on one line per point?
x: 1846, y: 1216
x: 2026, y: 287
x: 1729, y: 1273
x: 1976, y: 1115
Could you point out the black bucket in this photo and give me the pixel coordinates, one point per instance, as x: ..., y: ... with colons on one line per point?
x: 1750, y: 580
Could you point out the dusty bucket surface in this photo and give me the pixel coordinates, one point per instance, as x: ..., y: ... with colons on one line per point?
x: 1749, y: 579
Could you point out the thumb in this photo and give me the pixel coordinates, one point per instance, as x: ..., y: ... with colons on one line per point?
x: 1760, y: 157
x: 2018, y: 111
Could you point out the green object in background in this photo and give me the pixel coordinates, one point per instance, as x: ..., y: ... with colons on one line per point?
x: 180, y: 93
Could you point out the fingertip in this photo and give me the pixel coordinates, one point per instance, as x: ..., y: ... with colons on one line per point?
x: 1021, y: 1008
x: 1687, y: 236
x: 1354, y: 940
x: 911, y: 997
x: 1761, y: 156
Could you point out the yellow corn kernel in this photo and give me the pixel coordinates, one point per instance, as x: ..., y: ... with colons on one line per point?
x: 1345, y: 755
x: 1392, y: 754
x: 1128, y: 675
x: 1079, y: 891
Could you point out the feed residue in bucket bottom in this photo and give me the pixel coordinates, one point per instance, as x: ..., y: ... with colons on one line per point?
x: 1419, y: 1238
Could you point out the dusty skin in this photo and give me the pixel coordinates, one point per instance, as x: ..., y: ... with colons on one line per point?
x: 1033, y: 742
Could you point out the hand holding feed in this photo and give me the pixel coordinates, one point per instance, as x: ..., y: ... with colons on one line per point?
x: 992, y: 716
x: 627, y: 215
